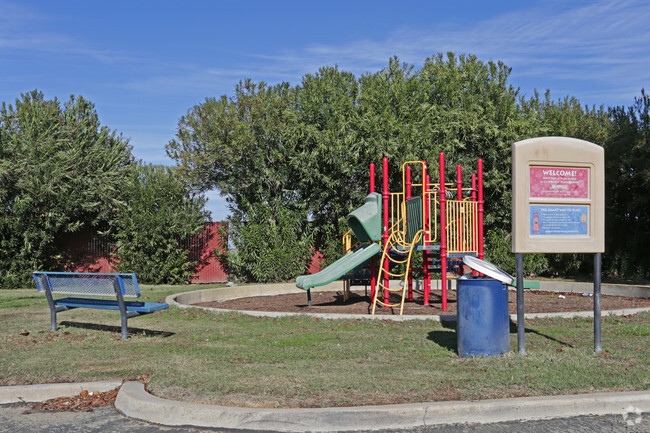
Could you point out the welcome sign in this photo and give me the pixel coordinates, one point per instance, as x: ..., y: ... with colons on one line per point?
x: 558, y: 196
x: 559, y: 182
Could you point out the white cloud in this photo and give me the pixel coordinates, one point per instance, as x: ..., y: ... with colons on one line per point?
x: 22, y: 30
x: 602, y: 45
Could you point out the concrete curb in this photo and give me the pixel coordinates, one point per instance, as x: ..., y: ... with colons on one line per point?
x: 442, y: 318
x: 38, y: 393
x: 187, y: 299
x: 174, y: 300
x: 628, y: 290
x: 133, y: 401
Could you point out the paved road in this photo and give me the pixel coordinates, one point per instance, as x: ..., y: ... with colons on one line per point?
x: 22, y: 419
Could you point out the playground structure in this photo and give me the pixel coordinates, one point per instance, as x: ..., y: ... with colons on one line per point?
x: 443, y: 221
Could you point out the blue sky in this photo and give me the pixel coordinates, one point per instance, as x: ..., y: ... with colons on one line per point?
x: 145, y: 63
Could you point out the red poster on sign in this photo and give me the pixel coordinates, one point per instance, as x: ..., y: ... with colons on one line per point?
x: 559, y: 182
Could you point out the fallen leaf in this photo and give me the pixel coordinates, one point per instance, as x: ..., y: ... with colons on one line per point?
x: 84, y: 402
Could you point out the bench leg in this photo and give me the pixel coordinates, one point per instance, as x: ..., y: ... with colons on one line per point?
x: 120, y: 303
x: 45, y: 284
x: 124, y: 327
x: 53, y: 319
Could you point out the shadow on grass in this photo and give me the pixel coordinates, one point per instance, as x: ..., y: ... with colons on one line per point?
x: 446, y: 339
x: 513, y: 330
x: 449, y: 339
x: 117, y: 329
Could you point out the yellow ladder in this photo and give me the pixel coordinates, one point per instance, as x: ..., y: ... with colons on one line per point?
x: 405, y: 251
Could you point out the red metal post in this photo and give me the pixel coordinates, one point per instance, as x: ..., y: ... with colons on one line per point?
x: 473, y: 187
x: 443, y: 233
x: 475, y: 219
x: 385, y: 235
x: 481, y: 254
x: 373, y: 261
x: 426, y: 216
x: 460, y: 232
x: 407, y: 196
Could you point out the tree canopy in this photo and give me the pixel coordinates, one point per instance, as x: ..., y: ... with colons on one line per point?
x: 60, y: 171
x: 627, y: 184
x: 307, y: 147
x: 292, y: 162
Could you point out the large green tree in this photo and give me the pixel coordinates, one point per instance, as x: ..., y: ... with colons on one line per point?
x: 331, y: 177
x: 60, y: 172
x: 246, y: 147
x: 627, y: 180
x: 307, y: 148
x: 240, y: 145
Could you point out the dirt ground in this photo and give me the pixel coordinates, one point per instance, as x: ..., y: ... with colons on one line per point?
x: 359, y: 303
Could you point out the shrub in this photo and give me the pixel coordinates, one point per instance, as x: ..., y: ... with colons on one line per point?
x: 157, y: 213
x: 269, y: 245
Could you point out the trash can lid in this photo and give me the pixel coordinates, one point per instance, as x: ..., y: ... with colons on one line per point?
x: 487, y: 268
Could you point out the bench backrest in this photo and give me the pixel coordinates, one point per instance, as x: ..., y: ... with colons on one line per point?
x: 94, y: 284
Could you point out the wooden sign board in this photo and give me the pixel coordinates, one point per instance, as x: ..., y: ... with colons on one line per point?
x: 558, y: 196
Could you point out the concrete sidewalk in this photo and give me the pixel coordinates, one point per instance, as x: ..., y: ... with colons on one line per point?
x: 134, y: 402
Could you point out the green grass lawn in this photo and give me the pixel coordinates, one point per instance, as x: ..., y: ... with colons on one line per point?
x: 233, y: 359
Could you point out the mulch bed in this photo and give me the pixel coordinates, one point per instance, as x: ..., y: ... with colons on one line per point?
x: 359, y: 303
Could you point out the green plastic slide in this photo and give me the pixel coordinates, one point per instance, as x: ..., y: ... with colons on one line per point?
x: 337, y: 269
x: 365, y: 221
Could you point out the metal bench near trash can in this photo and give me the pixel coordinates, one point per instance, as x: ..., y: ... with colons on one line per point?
x: 94, y: 284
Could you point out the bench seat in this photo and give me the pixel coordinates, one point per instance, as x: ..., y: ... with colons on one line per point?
x: 107, y: 304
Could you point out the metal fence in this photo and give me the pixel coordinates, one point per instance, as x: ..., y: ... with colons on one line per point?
x: 89, y: 252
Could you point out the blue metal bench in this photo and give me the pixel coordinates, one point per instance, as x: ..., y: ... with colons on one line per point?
x: 94, y: 284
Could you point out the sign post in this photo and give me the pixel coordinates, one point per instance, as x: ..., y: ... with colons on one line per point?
x: 558, y: 206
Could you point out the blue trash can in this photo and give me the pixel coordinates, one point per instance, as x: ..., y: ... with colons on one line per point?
x: 483, y: 320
